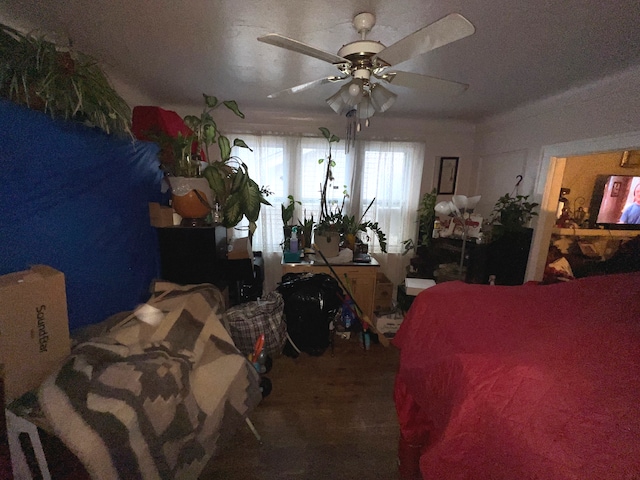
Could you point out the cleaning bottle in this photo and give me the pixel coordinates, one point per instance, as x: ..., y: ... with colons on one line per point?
x: 293, y: 242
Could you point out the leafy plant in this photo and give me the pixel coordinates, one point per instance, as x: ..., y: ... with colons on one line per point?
x: 60, y: 82
x: 287, y: 212
x: 332, y: 216
x: 177, y: 156
x: 236, y: 194
x: 351, y: 226
x: 305, y: 229
x: 306, y: 226
x: 513, y: 213
x: 206, y: 131
x: 426, y: 217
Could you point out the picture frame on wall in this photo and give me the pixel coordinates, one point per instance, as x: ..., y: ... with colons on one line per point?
x: 448, y: 175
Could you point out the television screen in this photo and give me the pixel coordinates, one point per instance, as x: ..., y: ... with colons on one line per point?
x: 616, y: 202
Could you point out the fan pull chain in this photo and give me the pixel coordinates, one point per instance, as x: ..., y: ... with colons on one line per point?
x: 352, y: 128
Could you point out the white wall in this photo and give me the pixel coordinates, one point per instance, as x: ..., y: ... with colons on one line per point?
x: 442, y: 138
x: 605, y: 108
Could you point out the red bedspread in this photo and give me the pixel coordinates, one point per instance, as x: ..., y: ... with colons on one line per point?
x: 534, y: 381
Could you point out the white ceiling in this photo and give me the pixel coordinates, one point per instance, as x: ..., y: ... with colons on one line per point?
x: 173, y: 51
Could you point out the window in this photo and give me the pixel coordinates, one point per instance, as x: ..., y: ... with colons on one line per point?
x: 389, y: 172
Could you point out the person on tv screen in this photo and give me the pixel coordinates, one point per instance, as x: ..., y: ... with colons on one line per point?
x: 631, y: 214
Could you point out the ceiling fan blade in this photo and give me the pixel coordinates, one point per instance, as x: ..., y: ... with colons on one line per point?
x: 308, y: 85
x: 446, y: 30
x: 433, y: 84
x: 296, y: 46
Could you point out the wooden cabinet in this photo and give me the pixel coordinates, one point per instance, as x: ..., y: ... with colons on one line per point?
x: 360, y: 278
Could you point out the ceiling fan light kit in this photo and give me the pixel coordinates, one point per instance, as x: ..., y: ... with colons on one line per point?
x: 366, y: 63
x: 382, y: 98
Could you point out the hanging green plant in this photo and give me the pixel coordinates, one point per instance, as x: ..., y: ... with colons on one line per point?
x: 60, y: 82
x: 513, y: 213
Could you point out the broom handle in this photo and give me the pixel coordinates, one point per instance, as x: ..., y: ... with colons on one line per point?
x: 383, y: 340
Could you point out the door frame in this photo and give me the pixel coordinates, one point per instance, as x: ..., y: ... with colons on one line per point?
x: 549, y: 182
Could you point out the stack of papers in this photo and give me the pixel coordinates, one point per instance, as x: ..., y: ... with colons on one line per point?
x: 415, y: 285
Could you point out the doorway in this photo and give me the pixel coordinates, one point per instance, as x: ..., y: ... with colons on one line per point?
x: 549, y: 183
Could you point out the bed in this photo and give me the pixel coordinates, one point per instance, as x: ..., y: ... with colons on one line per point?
x: 532, y: 381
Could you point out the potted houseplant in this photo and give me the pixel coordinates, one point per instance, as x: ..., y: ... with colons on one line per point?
x: 234, y: 194
x: 237, y: 194
x: 287, y: 215
x: 426, y: 220
x: 352, y: 227
x: 192, y: 197
x: 513, y: 213
x: 334, y: 222
x: 508, y: 222
x: 60, y: 82
x: 306, y: 231
x: 327, y: 232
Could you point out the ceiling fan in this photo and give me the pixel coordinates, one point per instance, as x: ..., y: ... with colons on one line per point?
x: 366, y: 64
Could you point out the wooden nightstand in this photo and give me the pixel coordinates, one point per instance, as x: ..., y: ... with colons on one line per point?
x: 359, y: 277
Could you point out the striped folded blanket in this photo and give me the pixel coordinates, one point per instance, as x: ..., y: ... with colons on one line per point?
x: 156, y: 395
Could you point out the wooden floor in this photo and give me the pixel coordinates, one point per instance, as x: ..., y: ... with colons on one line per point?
x: 327, y: 417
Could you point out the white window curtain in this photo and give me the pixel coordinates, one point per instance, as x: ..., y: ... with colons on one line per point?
x: 390, y: 172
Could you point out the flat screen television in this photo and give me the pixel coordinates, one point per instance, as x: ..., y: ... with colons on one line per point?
x: 615, y: 203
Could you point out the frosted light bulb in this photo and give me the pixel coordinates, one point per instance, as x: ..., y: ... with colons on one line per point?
x: 354, y: 89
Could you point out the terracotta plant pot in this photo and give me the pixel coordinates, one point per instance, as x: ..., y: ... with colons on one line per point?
x: 190, y: 205
x: 191, y: 198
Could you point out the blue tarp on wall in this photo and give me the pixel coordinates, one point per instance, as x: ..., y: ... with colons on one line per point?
x: 76, y: 199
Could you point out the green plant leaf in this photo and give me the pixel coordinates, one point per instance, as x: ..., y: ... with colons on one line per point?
x: 225, y: 148
x: 210, y: 100
x: 325, y: 132
x: 251, y: 201
x: 240, y: 143
x: 239, y: 181
x: 216, y: 181
x: 191, y: 121
x: 209, y: 134
x: 233, y: 106
x: 232, y: 213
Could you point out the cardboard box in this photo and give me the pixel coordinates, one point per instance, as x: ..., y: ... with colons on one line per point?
x: 34, y: 327
x: 160, y: 215
x: 388, y: 325
x: 415, y: 285
x: 383, y: 297
x: 240, y: 248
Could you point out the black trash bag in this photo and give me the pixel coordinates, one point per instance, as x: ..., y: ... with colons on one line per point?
x: 311, y: 301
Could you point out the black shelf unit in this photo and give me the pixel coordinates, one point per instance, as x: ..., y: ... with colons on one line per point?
x: 505, y: 257
x: 192, y: 255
